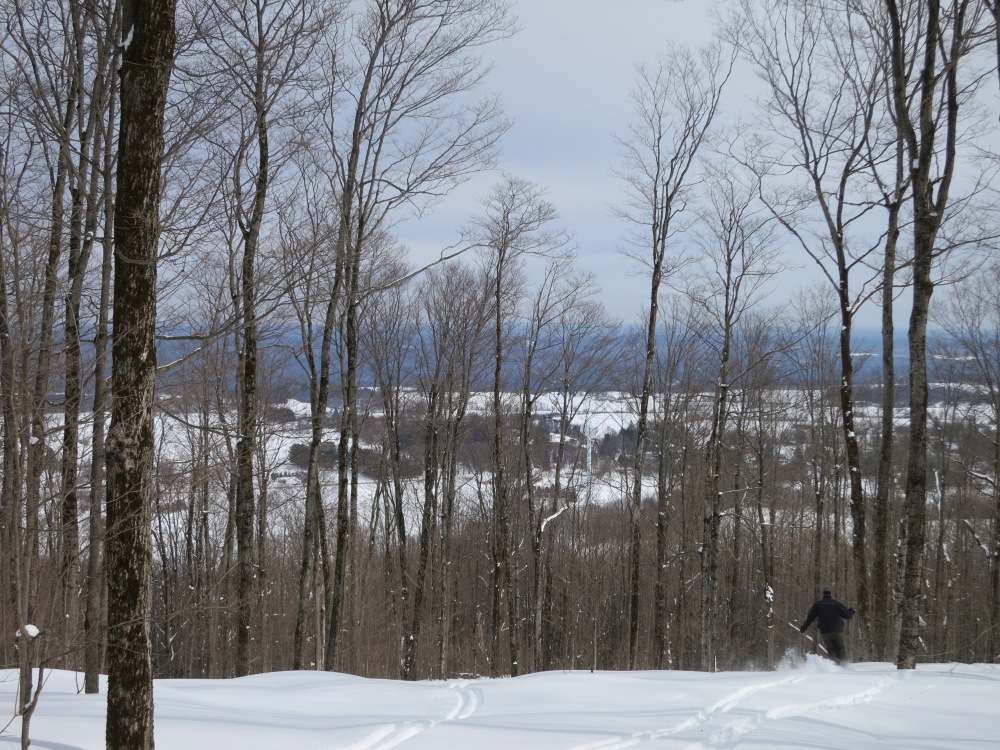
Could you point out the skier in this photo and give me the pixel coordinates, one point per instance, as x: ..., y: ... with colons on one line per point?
x: 830, y: 615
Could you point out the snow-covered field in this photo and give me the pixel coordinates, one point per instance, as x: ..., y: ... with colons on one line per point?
x: 809, y: 705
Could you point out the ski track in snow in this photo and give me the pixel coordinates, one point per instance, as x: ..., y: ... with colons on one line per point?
x: 468, y: 700
x: 729, y: 736
x: 699, y: 721
x: 734, y: 728
x: 724, y: 724
x: 851, y: 699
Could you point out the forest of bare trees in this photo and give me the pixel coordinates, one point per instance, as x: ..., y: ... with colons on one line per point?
x: 242, y: 431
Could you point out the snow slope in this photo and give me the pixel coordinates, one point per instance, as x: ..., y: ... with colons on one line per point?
x: 811, y: 705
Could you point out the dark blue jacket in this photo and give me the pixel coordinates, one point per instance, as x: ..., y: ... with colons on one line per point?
x: 830, y: 613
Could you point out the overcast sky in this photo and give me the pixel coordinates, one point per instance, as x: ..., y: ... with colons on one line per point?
x: 565, y: 80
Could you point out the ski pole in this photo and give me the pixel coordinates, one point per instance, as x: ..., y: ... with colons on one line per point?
x: 796, y: 627
x: 793, y: 625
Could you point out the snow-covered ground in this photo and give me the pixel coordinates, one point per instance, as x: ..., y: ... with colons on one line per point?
x: 809, y: 705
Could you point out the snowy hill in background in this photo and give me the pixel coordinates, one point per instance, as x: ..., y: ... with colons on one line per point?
x: 810, y: 705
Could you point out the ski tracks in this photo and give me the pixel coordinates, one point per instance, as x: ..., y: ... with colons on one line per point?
x: 734, y: 728
x: 840, y: 701
x: 699, y: 721
x: 729, y: 736
x: 722, y: 725
x: 467, y: 702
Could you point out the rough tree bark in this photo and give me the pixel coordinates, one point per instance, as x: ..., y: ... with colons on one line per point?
x: 941, y: 40
x: 148, y: 37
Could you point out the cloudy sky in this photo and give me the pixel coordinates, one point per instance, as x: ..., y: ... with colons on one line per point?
x: 565, y: 79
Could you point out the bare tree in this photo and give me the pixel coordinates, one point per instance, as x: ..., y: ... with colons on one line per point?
x: 399, y: 134
x: 835, y: 131
x: 259, y: 56
x: 516, y: 224
x: 813, y: 360
x: 889, y: 178
x: 89, y: 180
x: 740, y: 260
x: 676, y: 435
x: 971, y: 318
x: 676, y: 103
x: 559, y: 290
x: 585, y: 349
x: 47, y: 70
x: 387, y: 341
x: 19, y: 532
x: 935, y: 38
x: 59, y: 73
x: 101, y: 199
x: 148, y: 36
x: 453, y: 339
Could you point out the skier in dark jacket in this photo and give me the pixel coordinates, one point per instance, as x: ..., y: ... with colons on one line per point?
x: 830, y: 615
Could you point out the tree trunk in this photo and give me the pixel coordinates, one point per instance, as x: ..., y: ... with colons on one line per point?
x: 882, y: 609
x: 149, y: 33
x: 502, y: 563
x: 95, y: 615
x: 642, y: 418
x: 916, y: 471
x: 347, y: 446
x: 246, y: 445
x: 712, y: 511
x: 994, y: 641
x: 930, y: 139
x: 853, y: 455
